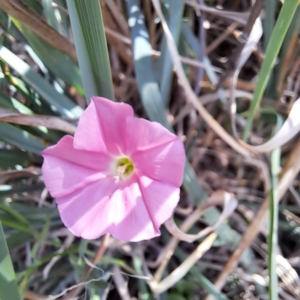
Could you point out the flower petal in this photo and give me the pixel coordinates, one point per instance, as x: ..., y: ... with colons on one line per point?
x: 160, y: 198
x: 66, y: 169
x: 132, y: 220
x: 101, y: 126
x: 107, y: 206
x: 163, y: 163
x: 142, y: 135
x: 89, y: 212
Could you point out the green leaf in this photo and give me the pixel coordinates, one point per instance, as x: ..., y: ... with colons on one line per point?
x: 20, y: 138
x: 41, y: 237
x: 118, y: 262
x: 34, y: 214
x: 40, y: 131
x: 143, y: 290
x: 49, y: 13
x: 165, y: 64
x: 147, y: 85
x: 57, y: 62
x: 154, y: 106
x: 284, y: 19
x: 63, y: 18
x: 11, y: 158
x: 194, y: 44
x: 269, y: 20
x: 35, y: 5
x: 17, y: 239
x: 291, y: 33
x: 15, y: 215
x: 62, y: 103
x: 273, y: 219
x: 90, y: 41
x: 12, y: 103
x: 8, y: 282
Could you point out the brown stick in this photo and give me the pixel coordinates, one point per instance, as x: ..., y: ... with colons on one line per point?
x: 22, y: 13
x: 11, y: 116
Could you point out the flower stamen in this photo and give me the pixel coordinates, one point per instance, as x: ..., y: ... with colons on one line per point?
x: 124, y: 167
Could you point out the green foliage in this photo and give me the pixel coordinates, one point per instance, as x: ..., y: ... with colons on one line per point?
x: 284, y: 19
x: 8, y: 281
x: 36, y: 78
x: 164, y: 63
x: 91, y: 47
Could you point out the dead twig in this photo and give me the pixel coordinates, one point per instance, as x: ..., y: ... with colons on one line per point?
x: 10, y: 116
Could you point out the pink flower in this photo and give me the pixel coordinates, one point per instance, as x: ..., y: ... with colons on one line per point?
x: 118, y: 175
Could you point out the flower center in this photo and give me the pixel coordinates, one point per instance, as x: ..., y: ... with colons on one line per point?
x: 124, y: 167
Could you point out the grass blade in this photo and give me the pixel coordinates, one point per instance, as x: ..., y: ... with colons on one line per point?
x: 20, y: 138
x: 8, y: 282
x: 88, y: 79
x: 273, y: 220
x: 57, y: 62
x: 269, y: 20
x: 27, y: 16
x: 49, y: 13
x: 63, y: 104
x: 11, y: 158
x: 147, y: 84
x: 288, y: 55
x: 148, y: 87
x: 190, y: 95
x: 143, y: 291
x: 12, y: 103
x: 194, y: 44
x: 165, y: 65
x: 154, y: 106
x: 90, y: 41
x: 273, y: 226
x: 285, y: 17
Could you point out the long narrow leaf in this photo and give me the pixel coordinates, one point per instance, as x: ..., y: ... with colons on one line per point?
x: 63, y: 104
x: 11, y: 158
x: 88, y: 79
x: 194, y: 44
x: 12, y: 103
x: 49, y: 13
x: 57, y: 62
x: 287, y: 56
x: 26, y: 15
x: 273, y: 220
x: 269, y: 20
x: 285, y: 17
x: 90, y: 41
x: 155, y: 108
x: 8, y: 282
x: 147, y: 84
x: 20, y: 138
x: 165, y: 65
